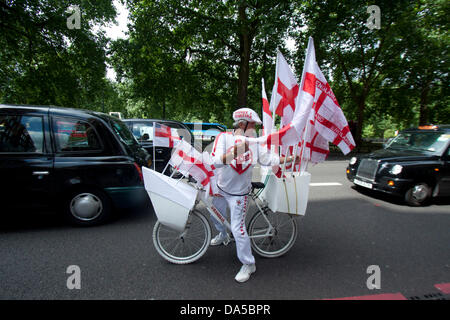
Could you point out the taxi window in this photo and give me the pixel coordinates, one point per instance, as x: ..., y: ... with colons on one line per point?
x: 143, y: 131
x: 20, y: 133
x: 433, y: 142
x: 75, y: 135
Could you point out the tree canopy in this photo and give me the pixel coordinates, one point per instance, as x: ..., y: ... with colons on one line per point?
x: 200, y: 60
x: 45, y: 62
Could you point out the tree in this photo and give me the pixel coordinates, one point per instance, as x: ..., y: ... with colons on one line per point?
x: 45, y: 62
x: 355, y: 55
x: 200, y: 53
x: 422, y: 67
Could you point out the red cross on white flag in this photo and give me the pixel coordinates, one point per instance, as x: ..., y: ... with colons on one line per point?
x: 285, y: 91
x: 266, y: 114
x: 187, y: 160
x: 164, y: 136
x: 317, y: 104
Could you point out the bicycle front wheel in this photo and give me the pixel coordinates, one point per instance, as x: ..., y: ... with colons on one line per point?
x: 272, y: 234
x: 186, y: 246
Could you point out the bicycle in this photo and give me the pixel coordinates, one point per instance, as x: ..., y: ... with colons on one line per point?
x: 271, y: 234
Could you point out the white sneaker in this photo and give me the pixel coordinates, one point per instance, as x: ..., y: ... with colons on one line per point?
x: 220, y: 239
x: 245, y: 272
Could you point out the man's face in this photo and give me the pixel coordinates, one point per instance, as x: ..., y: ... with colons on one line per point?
x: 251, y: 131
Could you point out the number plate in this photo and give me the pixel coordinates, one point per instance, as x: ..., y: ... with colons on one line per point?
x: 362, y: 183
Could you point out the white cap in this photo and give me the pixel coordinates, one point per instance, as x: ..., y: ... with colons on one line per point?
x: 246, y: 114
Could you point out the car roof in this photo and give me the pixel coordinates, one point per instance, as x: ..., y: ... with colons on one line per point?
x: 215, y: 124
x: 151, y: 120
x: 57, y: 110
x: 202, y: 124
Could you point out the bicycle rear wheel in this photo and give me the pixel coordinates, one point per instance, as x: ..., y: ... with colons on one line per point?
x: 186, y: 246
x: 278, y: 240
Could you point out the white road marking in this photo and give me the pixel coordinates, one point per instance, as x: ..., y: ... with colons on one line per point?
x: 325, y: 184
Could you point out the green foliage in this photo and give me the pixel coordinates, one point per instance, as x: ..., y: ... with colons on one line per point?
x: 187, y: 58
x: 200, y: 60
x: 45, y: 62
x: 398, y: 70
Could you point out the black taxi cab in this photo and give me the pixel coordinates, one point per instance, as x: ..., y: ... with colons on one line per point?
x: 86, y: 162
x: 414, y: 165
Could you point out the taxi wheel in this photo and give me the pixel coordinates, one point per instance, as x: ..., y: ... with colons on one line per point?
x: 418, y: 195
x: 87, y: 207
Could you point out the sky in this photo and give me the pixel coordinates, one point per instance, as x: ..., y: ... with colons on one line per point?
x: 116, y: 31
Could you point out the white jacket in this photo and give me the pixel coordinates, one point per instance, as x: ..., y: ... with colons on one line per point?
x: 235, y: 178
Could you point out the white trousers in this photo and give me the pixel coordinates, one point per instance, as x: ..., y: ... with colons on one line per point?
x: 238, y: 208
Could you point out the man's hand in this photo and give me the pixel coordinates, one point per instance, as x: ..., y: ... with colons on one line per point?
x: 238, y: 150
x: 289, y: 159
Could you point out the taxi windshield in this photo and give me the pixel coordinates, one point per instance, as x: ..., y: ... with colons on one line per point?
x: 433, y: 142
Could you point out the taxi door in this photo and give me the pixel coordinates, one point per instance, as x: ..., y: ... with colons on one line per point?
x: 26, y: 160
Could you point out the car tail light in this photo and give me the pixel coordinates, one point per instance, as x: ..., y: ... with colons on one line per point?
x: 139, y: 171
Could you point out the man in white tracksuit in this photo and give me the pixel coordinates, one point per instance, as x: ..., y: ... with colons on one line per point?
x: 234, y: 183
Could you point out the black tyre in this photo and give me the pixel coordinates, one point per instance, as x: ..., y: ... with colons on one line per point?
x: 186, y: 246
x: 418, y: 195
x: 282, y: 237
x: 87, y: 207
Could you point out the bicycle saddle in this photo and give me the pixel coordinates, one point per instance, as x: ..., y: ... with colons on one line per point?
x: 258, y: 185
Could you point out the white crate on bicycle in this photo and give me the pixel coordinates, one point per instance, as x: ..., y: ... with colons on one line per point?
x: 172, y: 200
x: 289, y: 195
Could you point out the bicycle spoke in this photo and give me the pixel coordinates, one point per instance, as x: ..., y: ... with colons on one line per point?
x: 282, y: 236
x: 288, y: 221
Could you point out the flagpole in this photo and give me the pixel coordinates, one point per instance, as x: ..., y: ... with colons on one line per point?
x: 295, y: 155
x: 154, y: 135
x: 274, y: 93
x: 302, y: 165
x: 284, y: 164
x: 165, y: 168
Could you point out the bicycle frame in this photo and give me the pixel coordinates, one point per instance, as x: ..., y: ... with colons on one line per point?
x: 215, y: 213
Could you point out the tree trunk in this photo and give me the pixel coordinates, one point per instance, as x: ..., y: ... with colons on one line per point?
x: 423, y: 118
x: 245, y: 39
x: 164, y: 109
x: 359, y: 124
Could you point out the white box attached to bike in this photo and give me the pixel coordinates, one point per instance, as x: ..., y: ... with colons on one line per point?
x: 289, y: 195
x: 172, y: 199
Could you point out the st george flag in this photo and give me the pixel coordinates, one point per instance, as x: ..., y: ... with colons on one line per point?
x: 319, y: 113
x: 266, y: 113
x: 311, y: 118
x: 163, y: 136
x: 187, y: 160
x: 285, y: 91
x: 282, y: 103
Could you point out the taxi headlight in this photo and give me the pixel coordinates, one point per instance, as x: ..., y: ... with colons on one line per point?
x: 353, y: 160
x: 396, y: 169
